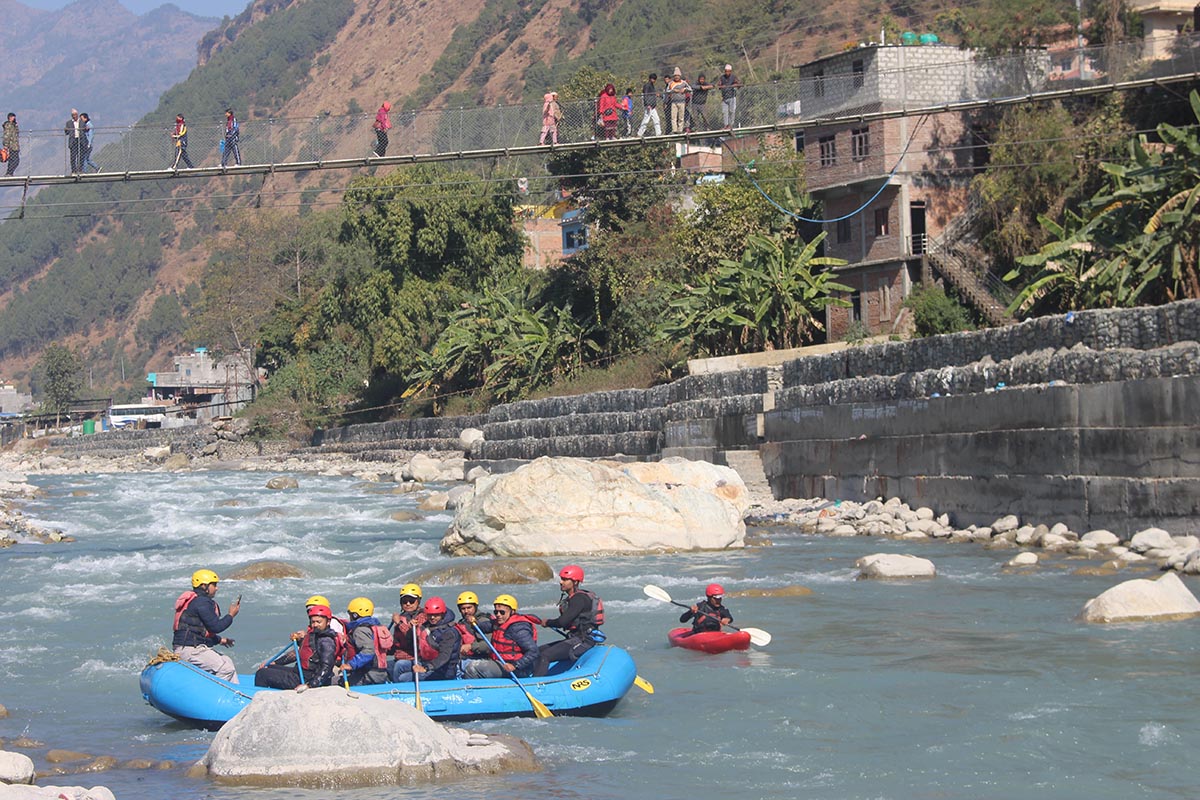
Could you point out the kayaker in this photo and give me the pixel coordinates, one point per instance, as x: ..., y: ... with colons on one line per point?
x: 580, y: 615
x: 710, y: 613
x: 437, y: 633
x: 368, y: 644
x: 320, y: 649
x: 515, y: 639
x: 468, y: 613
x: 402, y: 625
x: 198, y: 627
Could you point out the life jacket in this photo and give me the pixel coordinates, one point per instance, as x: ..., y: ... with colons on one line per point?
x: 340, y: 645
x: 426, y: 652
x: 505, y: 646
x: 468, y: 635
x: 590, y: 619
x: 381, y: 639
x: 707, y: 618
x: 181, y: 604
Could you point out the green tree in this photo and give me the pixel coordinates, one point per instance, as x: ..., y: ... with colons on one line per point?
x: 1136, y: 241
x: 61, y: 376
x: 768, y: 300
x: 617, y: 184
x: 935, y: 312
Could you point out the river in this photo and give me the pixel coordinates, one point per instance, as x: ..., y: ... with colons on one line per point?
x: 976, y: 684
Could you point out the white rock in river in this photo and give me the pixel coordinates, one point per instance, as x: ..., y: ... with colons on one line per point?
x: 895, y: 565
x: 1159, y: 600
x: 1101, y: 538
x: 55, y: 793
x: 15, y: 767
x: 558, y: 506
x: 1151, y: 539
x: 329, y: 738
x: 1023, y: 560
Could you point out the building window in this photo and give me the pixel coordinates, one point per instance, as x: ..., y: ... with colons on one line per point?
x: 819, y: 84
x: 857, y: 68
x: 828, y: 145
x: 574, y: 239
x: 860, y: 143
x: 843, y: 231
x: 798, y: 141
x: 881, y: 222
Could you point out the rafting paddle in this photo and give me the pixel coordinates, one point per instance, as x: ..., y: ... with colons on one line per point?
x: 539, y: 708
x: 757, y: 636
x: 643, y: 684
x: 417, y: 663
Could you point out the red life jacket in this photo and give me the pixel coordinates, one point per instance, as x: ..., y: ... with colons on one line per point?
x: 381, y: 640
x: 468, y: 636
x: 505, y: 646
x: 592, y: 618
x: 182, y: 602
x: 340, y: 643
x: 425, y: 650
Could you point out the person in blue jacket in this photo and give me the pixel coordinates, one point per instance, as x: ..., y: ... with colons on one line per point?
x: 369, y: 641
x: 199, y: 624
x: 85, y: 152
x: 233, y: 139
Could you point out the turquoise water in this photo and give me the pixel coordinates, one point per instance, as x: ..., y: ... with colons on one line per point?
x: 977, y: 684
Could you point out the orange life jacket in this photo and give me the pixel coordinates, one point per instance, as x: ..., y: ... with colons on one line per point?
x: 505, y: 646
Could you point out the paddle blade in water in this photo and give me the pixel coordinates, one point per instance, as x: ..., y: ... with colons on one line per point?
x: 758, y: 636
x: 656, y: 593
x: 539, y: 708
x: 643, y: 684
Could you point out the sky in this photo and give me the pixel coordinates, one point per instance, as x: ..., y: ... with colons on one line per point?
x: 201, y: 8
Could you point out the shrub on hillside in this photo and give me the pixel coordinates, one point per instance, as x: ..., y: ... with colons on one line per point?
x: 936, y: 312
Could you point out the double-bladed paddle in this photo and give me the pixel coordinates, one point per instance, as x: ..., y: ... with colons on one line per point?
x: 757, y: 635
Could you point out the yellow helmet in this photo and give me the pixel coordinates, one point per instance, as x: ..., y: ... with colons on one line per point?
x: 468, y: 597
x: 506, y: 600
x: 317, y: 600
x: 361, y: 606
x: 203, y: 576
x: 410, y: 590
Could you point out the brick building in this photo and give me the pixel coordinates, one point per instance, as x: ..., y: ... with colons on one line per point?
x: 889, y: 185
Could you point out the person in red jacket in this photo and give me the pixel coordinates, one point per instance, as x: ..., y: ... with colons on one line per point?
x: 381, y: 126
x: 608, y: 109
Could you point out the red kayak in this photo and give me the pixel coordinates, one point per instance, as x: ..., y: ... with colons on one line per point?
x: 709, y: 641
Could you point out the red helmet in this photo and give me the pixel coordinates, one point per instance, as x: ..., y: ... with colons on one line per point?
x: 435, y: 605
x: 572, y: 572
x: 714, y: 590
x: 320, y: 611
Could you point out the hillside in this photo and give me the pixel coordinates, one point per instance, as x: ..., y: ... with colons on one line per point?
x: 298, y: 58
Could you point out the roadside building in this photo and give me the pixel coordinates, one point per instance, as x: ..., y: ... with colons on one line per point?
x: 208, y: 387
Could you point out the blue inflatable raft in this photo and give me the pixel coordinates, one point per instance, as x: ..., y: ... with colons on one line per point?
x: 591, y: 686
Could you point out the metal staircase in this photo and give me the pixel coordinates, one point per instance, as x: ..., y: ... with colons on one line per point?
x: 955, y: 257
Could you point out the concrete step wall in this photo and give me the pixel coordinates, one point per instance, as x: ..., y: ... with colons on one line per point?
x: 1117, y: 455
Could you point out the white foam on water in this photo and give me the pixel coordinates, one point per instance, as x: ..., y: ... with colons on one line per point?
x: 1155, y: 734
x: 1037, y: 713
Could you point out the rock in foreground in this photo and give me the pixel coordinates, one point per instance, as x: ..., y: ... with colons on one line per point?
x: 329, y: 738
x: 56, y: 793
x: 557, y: 506
x: 1162, y: 600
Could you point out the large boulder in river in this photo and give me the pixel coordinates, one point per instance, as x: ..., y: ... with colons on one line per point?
x: 15, y: 768
x: 559, y: 506
x: 330, y: 738
x: 493, y: 572
x: 265, y: 571
x: 895, y: 565
x: 1141, y: 600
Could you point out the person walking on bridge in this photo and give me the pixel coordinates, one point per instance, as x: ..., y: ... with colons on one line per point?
x: 12, y: 143
x: 233, y: 137
x: 180, y: 137
x: 383, y: 124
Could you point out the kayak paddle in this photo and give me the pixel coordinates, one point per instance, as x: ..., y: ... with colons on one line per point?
x: 539, y: 708
x: 417, y: 663
x: 643, y: 684
x: 757, y: 635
